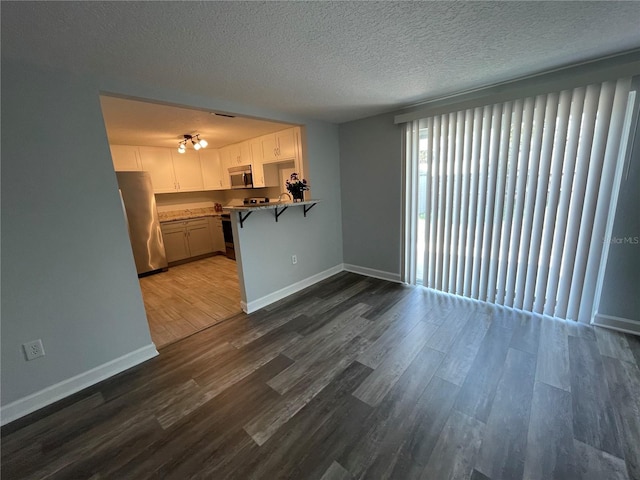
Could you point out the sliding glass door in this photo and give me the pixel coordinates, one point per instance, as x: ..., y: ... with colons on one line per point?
x: 509, y: 202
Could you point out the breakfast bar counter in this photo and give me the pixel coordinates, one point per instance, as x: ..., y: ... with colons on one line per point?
x: 278, y: 207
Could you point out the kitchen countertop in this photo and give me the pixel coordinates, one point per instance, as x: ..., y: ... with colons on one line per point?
x: 267, y: 206
x: 187, y: 214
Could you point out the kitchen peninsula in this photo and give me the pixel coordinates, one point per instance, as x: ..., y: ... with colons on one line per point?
x: 274, y: 250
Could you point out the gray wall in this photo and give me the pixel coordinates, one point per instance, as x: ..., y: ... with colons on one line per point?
x: 621, y: 288
x: 267, y: 246
x: 371, y: 173
x: 68, y: 275
x: 371, y: 184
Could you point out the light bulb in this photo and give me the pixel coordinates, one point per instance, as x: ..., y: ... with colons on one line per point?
x: 181, y: 148
x: 204, y: 143
x: 196, y: 145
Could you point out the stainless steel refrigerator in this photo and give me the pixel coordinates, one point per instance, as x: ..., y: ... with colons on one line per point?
x: 139, y: 205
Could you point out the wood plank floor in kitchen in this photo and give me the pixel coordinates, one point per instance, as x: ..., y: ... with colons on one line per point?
x: 190, y: 297
x: 354, y: 378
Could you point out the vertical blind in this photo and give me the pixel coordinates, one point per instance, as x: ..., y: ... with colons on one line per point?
x: 513, y: 198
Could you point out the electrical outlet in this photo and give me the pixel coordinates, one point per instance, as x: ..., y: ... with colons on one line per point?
x: 294, y: 259
x: 33, y: 349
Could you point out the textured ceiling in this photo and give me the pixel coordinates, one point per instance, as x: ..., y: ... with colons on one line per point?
x: 335, y: 61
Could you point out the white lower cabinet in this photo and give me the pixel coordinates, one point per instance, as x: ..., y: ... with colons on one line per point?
x: 199, y: 237
x: 187, y: 238
x: 175, y: 241
x: 218, y: 233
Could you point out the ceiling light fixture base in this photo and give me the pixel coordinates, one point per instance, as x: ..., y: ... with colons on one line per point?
x: 195, y: 140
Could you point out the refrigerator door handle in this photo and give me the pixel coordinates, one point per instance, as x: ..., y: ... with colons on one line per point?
x: 124, y: 211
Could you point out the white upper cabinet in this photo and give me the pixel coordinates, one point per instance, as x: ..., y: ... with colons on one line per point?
x: 269, y: 148
x: 171, y: 171
x: 187, y: 170
x: 239, y: 154
x: 126, y: 158
x: 297, y: 133
x: 257, y: 170
x: 279, y: 146
x: 208, y: 169
x: 157, y: 161
x: 226, y: 157
x: 211, y: 169
x: 264, y: 175
x: 225, y: 163
x: 232, y: 156
x: 286, y: 144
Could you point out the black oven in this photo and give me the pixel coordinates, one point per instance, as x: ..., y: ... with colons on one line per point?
x: 228, y: 236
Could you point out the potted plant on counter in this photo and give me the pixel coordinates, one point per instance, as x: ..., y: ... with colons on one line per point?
x: 297, y: 187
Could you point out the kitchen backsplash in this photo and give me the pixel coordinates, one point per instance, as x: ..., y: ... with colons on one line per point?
x: 251, y: 192
x: 169, y: 202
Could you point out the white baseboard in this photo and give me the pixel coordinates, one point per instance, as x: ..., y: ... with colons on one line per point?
x: 259, y: 303
x: 617, y: 323
x: 262, y: 302
x: 49, y: 395
x: 370, y: 272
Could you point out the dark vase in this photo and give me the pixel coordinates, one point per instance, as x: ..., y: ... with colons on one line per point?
x: 298, y: 196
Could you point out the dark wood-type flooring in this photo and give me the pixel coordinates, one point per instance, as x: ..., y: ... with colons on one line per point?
x: 355, y: 378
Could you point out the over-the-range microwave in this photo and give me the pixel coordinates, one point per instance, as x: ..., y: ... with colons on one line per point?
x: 241, y: 176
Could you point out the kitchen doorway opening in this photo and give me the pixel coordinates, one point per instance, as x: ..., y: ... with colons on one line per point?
x: 187, y: 188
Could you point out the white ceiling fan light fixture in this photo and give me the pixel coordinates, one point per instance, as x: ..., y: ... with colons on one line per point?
x: 195, y: 141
